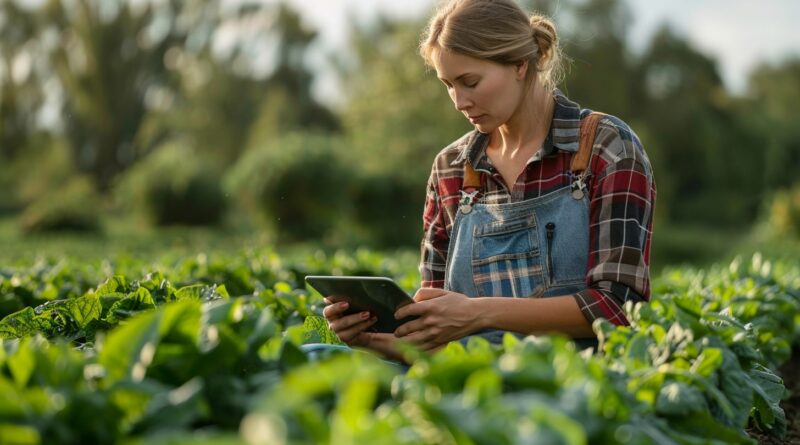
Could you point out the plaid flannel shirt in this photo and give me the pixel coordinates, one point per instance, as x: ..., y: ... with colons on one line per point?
x: 622, y: 195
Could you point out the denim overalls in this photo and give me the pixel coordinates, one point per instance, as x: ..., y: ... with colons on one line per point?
x: 528, y: 249
x: 534, y: 248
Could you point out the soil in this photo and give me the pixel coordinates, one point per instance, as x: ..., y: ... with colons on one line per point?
x: 790, y: 372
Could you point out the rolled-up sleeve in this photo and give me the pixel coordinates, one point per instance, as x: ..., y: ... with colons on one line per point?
x: 620, y: 230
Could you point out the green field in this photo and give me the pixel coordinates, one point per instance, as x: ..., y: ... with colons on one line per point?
x: 195, y: 340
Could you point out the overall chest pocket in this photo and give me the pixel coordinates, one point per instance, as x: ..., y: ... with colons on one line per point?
x: 505, y: 257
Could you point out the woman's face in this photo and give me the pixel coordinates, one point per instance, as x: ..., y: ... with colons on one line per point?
x: 487, y: 93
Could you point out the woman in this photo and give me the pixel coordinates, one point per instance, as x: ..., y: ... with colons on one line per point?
x: 507, y: 213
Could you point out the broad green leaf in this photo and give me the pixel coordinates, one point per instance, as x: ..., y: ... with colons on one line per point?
x: 132, y: 304
x: 173, y: 410
x: 680, y: 399
x: 482, y: 386
x: 13, y: 434
x: 112, y: 285
x: 84, y: 309
x: 356, y: 402
x: 290, y: 355
x: 570, y: 431
x: 707, y: 362
x: 22, y: 363
x: 768, y: 390
x: 129, y: 349
x: 25, y: 323
x: 701, y: 428
x: 316, y: 330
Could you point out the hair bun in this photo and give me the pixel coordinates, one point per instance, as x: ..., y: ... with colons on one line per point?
x: 544, y: 34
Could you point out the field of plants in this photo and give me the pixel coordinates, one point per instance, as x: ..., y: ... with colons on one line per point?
x: 205, y: 350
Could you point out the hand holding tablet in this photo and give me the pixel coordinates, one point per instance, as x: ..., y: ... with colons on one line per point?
x: 378, y: 295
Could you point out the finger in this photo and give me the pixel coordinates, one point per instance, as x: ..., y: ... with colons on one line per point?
x: 409, y: 327
x: 345, y: 322
x: 418, y: 337
x: 427, y: 293
x: 350, y: 334
x: 409, y: 310
x: 326, y: 300
x: 335, y: 310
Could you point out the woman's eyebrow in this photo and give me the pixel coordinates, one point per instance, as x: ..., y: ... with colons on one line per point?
x: 459, y: 77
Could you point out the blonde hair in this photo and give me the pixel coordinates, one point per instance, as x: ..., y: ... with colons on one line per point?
x: 498, y: 31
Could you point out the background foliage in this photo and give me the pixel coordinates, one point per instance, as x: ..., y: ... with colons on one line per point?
x: 94, y: 94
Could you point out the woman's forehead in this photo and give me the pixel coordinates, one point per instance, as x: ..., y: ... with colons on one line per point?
x: 451, y: 65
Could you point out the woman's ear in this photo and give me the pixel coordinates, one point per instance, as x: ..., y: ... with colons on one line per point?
x: 521, y: 70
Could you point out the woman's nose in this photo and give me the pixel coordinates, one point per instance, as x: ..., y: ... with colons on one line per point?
x: 461, y: 100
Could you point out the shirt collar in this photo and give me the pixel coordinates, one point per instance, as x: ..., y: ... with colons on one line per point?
x: 564, y: 134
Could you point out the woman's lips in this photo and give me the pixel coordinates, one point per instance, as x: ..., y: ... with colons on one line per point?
x: 476, y: 119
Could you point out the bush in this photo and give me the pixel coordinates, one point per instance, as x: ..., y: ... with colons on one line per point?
x: 73, y: 207
x: 783, y: 218
x: 173, y: 186
x: 297, y: 184
x: 389, y: 209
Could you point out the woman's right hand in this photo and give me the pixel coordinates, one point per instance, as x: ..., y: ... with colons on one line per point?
x: 351, y: 329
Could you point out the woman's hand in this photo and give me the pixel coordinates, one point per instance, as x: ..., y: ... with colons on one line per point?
x: 351, y: 329
x: 444, y: 316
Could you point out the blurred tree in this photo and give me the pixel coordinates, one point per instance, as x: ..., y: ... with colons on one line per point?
x: 397, y: 118
x: 774, y: 91
x: 601, y: 75
x: 712, y: 171
x: 21, y: 89
x: 263, y: 93
x: 398, y: 115
x: 134, y: 73
x: 109, y: 60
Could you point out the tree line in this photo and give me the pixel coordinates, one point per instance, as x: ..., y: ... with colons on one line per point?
x: 208, y: 104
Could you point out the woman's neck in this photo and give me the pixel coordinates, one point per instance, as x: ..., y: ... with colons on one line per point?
x: 528, y: 127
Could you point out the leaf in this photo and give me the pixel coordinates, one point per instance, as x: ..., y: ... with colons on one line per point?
x: 316, y: 330
x: 768, y: 390
x: 707, y: 362
x: 129, y: 349
x: 739, y: 395
x: 130, y: 305
x: 84, y: 309
x: 291, y: 356
x: 264, y: 329
x: 199, y: 292
x: 570, y: 431
x: 680, y: 399
x: 22, y: 363
x: 25, y: 323
x: 173, y: 410
x: 13, y: 434
x: 112, y: 285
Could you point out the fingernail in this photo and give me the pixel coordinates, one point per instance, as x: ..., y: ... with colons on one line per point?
x: 343, y: 305
x: 396, y: 317
x: 365, y: 315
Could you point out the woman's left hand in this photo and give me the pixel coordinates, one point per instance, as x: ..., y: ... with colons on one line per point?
x: 444, y: 316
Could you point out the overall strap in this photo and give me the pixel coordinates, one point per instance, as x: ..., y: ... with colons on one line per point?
x: 580, y: 161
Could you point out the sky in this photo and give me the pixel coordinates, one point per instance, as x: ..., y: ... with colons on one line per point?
x: 739, y: 34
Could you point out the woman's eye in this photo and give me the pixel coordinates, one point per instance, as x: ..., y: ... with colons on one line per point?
x: 471, y: 85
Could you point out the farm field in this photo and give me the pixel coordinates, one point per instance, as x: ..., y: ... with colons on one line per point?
x: 205, y: 349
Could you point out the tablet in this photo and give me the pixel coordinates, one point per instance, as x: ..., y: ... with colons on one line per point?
x: 379, y: 295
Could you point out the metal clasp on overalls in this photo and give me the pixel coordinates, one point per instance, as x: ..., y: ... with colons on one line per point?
x: 579, y: 185
x: 467, y: 201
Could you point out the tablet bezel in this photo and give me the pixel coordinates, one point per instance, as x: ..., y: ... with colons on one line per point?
x: 380, y: 296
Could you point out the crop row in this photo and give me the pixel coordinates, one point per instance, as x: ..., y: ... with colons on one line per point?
x: 173, y: 358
